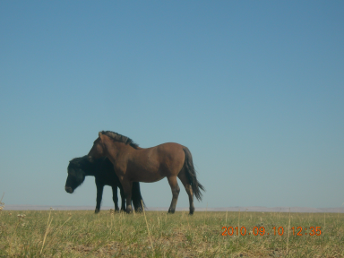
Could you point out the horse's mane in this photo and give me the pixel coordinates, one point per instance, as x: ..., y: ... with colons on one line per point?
x: 120, y: 138
x: 77, y: 161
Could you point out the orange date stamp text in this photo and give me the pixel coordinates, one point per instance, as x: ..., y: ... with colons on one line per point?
x: 260, y: 231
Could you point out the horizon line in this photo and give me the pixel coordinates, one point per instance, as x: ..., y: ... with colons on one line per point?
x: 218, y: 209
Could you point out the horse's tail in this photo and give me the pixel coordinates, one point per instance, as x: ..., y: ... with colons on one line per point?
x: 137, y: 198
x: 191, y: 175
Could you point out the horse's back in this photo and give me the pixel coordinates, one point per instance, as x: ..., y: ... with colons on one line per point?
x: 171, y: 149
x: 167, y: 147
x: 171, y: 154
x: 168, y: 150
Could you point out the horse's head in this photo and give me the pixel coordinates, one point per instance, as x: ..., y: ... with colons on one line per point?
x: 76, y: 175
x: 98, y: 149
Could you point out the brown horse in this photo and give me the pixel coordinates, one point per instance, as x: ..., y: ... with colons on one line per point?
x: 135, y: 164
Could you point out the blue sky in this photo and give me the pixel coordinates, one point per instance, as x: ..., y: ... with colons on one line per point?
x: 254, y: 89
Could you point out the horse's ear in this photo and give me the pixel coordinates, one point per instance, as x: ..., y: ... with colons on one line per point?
x: 100, y: 136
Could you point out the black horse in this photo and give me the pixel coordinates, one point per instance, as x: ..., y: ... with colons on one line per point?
x: 103, y: 171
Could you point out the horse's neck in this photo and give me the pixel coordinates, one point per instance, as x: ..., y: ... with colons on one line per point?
x: 119, y: 153
x: 116, y: 149
x: 90, y: 173
x: 90, y: 169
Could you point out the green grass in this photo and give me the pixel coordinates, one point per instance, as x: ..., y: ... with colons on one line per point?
x: 158, y: 234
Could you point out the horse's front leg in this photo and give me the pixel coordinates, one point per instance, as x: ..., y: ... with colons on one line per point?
x: 114, y: 197
x: 100, y: 188
x: 137, y: 198
x: 122, y: 198
x: 127, y: 186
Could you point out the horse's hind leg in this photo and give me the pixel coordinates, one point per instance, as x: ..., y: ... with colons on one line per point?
x: 188, y: 188
x: 175, y: 192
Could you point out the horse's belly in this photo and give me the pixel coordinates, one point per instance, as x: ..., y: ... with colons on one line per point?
x: 147, y: 177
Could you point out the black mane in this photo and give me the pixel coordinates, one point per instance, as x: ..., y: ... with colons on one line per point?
x: 85, y: 164
x: 120, y: 138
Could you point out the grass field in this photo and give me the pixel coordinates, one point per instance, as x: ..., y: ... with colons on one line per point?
x: 158, y: 234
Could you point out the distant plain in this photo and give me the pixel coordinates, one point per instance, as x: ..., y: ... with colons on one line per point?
x: 250, y: 209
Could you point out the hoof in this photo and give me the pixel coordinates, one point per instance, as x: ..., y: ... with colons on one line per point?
x: 129, y: 211
x: 139, y: 210
x: 96, y: 211
x: 171, y: 211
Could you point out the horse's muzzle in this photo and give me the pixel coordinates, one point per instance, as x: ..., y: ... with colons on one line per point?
x: 69, y: 189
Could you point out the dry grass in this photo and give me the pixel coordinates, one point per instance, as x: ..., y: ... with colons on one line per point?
x: 157, y: 234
